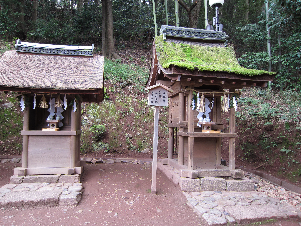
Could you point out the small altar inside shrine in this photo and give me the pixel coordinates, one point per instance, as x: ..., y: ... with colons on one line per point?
x: 206, y: 79
x: 52, y: 81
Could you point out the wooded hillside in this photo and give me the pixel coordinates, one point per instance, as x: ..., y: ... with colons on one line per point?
x: 249, y: 24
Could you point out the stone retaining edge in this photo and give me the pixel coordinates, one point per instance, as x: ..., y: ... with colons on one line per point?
x: 276, y: 181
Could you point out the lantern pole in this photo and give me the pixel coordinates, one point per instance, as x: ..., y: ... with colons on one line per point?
x: 155, y: 150
x: 157, y: 96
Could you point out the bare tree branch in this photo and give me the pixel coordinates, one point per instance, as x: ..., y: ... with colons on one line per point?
x: 185, y: 6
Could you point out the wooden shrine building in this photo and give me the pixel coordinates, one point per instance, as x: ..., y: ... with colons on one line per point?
x: 52, y: 82
x: 205, y: 78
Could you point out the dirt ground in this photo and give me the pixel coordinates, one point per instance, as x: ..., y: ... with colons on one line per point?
x: 115, y: 194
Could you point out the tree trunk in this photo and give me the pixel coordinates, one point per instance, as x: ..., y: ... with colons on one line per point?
x: 247, y: 11
x: 189, y: 10
x: 194, y: 18
x: 109, y: 31
x: 104, y: 23
x: 22, y: 19
x: 35, y: 11
x: 80, y: 4
x: 108, y: 48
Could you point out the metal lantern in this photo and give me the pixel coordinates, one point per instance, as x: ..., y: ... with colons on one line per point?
x: 216, y: 2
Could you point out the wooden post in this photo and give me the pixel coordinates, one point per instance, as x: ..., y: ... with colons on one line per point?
x: 170, y: 142
x: 25, y: 138
x: 218, y: 111
x: 181, y: 138
x: 190, y: 130
x: 218, y: 151
x: 75, y: 125
x: 232, y: 140
x: 155, y: 150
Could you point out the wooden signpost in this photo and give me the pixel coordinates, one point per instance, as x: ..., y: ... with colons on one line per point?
x: 157, y: 96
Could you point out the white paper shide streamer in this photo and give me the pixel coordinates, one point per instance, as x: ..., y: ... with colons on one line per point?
x: 65, y: 102
x: 22, y: 104
x: 35, y: 101
x: 234, y: 104
x: 74, y: 105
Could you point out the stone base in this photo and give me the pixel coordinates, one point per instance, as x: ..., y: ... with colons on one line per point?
x: 190, y: 185
x: 70, y: 178
x: 41, y: 179
x: 183, y: 177
x: 220, y: 171
x: 236, y: 174
x: 19, y: 171
x: 240, y: 185
x: 16, y: 179
x: 46, y: 179
x: 40, y: 194
x: 213, y: 184
x: 72, y: 196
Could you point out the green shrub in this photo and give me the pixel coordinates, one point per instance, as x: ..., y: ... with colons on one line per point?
x: 10, y: 124
x: 124, y: 75
x: 98, y: 132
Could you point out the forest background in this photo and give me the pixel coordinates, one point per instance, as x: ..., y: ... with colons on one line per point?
x: 268, y: 120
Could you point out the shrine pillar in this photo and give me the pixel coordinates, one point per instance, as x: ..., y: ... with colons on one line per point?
x: 190, y: 131
x: 181, y: 138
x: 232, y: 139
x: 75, y: 139
x: 170, y: 142
x: 25, y: 138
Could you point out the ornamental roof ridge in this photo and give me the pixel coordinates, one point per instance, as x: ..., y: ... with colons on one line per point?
x: 37, y: 48
x: 192, y: 33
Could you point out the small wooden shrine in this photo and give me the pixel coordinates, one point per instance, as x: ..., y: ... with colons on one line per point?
x: 205, y: 78
x: 52, y: 82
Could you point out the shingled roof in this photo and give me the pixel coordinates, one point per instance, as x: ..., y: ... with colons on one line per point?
x: 52, y: 72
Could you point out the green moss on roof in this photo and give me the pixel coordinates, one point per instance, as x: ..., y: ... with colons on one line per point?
x: 202, y: 58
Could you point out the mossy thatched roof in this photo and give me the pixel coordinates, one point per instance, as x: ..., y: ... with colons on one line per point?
x: 202, y: 58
